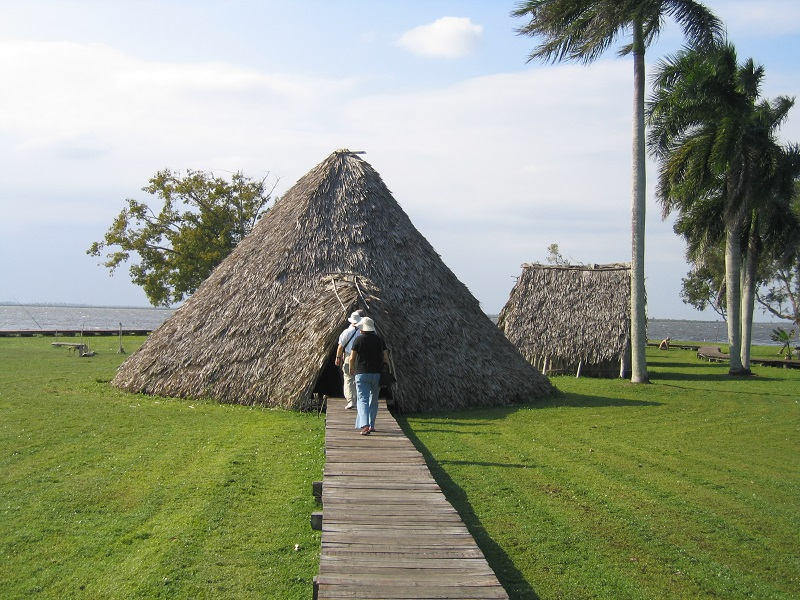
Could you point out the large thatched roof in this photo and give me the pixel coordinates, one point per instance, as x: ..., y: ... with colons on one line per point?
x: 560, y: 317
x: 262, y: 328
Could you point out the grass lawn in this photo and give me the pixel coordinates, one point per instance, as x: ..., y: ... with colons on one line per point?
x: 111, y: 495
x: 685, y: 488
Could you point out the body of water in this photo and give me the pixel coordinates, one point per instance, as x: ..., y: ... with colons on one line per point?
x: 713, y: 332
x: 28, y: 317
x: 21, y: 317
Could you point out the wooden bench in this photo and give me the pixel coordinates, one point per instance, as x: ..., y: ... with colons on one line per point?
x: 712, y: 354
x: 81, y: 349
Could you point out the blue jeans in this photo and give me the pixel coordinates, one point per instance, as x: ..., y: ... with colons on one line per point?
x: 368, y: 385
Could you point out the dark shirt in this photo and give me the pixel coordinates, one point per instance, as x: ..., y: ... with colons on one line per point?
x: 369, y: 352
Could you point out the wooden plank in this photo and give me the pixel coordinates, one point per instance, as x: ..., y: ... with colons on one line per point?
x: 391, y: 554
x: 396, y: 518
x: 423, y: 499
x: 387, y: 529
x: 473, y: 566
x: 340, y: 590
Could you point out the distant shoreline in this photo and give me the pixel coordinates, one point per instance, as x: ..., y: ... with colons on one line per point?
x: 492, y: 316
x: 71, y: 305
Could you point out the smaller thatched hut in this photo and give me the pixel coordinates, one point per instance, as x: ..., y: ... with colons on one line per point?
x: 571, y: 319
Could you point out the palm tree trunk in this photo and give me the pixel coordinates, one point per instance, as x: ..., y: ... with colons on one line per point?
x: 749, y: 276
x: 638, y: 205
x: 733, y: 268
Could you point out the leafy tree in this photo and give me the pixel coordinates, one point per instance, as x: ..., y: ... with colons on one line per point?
x: 704, y: 286
x: 202, y: 219
x: 702, y: 230
x: 779, y: 293
x: 554, y: 256
x: 720, y: 160
x: 583, y: 30
x: 778, y: 275
x: 772, y: 229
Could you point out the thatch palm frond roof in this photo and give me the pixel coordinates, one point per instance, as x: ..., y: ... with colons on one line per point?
x: 569, y: 315
x: 262, y: 327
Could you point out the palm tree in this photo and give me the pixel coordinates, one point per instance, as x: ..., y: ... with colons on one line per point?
x: 716, y: 141
x: 772, y: 228
x: 582, y: 30
x: 785, y: 339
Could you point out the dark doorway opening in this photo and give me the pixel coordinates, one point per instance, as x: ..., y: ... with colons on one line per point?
x: 330, y: 382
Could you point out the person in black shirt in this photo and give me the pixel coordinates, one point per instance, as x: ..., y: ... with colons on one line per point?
x: 366, y: 359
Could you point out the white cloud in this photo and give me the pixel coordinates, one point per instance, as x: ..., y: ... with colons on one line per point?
x: 63, y: 87
x: 448, y: 37
x: 123, y: 117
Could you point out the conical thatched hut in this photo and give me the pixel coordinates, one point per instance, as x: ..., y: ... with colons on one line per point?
x: 262, y: 329
x: 571, y: 319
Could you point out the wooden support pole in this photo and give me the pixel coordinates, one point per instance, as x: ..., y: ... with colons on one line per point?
x: 121, y: 349
x: 316, y: 489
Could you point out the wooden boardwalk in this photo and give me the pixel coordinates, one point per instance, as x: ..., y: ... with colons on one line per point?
x: 387, y: 529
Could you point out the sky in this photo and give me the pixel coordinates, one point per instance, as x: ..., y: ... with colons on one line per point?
x: 493, y: 157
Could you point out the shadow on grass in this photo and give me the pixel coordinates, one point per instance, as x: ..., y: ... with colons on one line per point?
x: 472, y: 463
x: 573, y: 400
x: 657, y: 375
x: 429, y: 429
x: 492, y: 413
x: 685, y: 365
x: 507, y: 573
x: 743, y: 391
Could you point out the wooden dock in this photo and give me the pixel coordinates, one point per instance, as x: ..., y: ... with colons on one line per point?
x: 387, y: 529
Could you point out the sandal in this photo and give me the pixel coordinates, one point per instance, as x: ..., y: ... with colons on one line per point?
x: 365, y: 430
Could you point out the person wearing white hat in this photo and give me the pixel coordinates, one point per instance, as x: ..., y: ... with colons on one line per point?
x: 366, y: 359
x: 346, y: 339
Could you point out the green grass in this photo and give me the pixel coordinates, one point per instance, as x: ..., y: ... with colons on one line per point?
x: 111, y: 495
x: 685, y: 488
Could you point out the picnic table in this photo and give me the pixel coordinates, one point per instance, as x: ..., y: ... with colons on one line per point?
x: 81, y: 349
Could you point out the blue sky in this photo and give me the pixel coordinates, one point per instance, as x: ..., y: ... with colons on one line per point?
x: 493, y: 158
